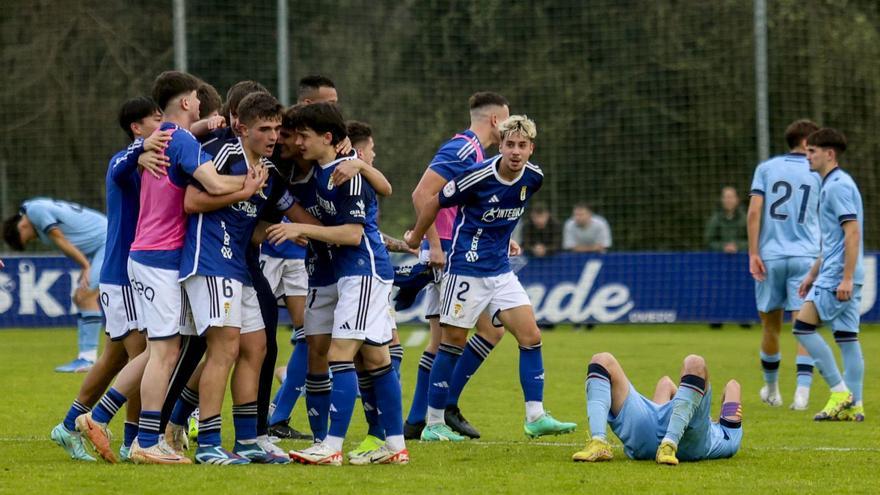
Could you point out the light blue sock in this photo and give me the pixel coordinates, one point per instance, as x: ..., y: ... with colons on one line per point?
x: 819, y: 351
x: 598, y: 399
x: 804, y: 371
x: 88, y: 331
x: 690, y: 392
x: 853, y: 362
x: 770, y: 365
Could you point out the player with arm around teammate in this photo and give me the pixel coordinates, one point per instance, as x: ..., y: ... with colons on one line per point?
x: 492, y: 196
x: 674, y: 425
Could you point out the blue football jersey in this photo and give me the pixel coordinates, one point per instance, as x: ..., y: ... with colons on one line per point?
x: 489, y: 209
x: 457, y: 155
x: 184, y: 153
x: 319, y: 258
x: 840, y: 202
x: 790, y: 220
x: 286, y: 250
x: 84, y: 227
x: 123, y: 186
x: 216, y: 242
x: 353, y: 202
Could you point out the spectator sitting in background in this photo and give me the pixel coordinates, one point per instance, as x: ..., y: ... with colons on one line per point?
x: 541, y: 235
x: 586, y: 232
x: 726, y: 230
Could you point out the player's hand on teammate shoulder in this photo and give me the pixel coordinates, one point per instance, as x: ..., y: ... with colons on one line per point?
x: 154, y: 162
x: 157, y: 141
x: 344, y: 146
x: 346, y: 170
x: 255, y: 180
x: 215, y: 122
x: 757, y: 268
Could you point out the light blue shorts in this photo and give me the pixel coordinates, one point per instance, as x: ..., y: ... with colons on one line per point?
x: 841, y: 316
x: 779, y: 289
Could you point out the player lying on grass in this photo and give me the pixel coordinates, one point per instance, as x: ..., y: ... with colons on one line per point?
x: 492, y: 195
x: 674, y: 425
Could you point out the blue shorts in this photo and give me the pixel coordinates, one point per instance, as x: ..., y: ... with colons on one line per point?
x: 841, y: 316
x: 779, y: 289
x: 96, y: 261
x: 641, y: 425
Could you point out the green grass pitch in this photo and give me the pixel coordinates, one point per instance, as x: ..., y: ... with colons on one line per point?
x: 782, y: 451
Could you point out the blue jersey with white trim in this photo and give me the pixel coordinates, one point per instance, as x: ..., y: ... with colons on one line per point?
x: 286, y: 250
x: 319, y: 258
x: 790, y: 220
x: 216, y: 242
x: 84, y: 227
x: 123, y: 186
x: 457, y: 155
x: 353, y: 202
x: 489, y: 209
x: 840, y: 202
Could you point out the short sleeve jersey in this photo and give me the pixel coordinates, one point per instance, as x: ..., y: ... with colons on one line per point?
x: 790, y: 220
x: 217, y: 241
x: 453, y: 158
x: 489, y: 209
x: 319, y: 259
x: 84, y: 227
x: 353, y: 202
x: 840, y: 202
x: 123, y: 187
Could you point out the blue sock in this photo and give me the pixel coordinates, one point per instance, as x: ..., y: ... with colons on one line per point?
x: 184, y: 407
x: 531, y: 373
x: 108, y: 406
x: 819, y: 351
x: 318, y: 389
x: 342, y: 397
x: 770, y: 365
x: 396, y: 351
x: 388, y: 401
x: 690, y: 392
x: 368, y: 399
x: 129, y: 433
x: 209, y: 431
x: 148, y: 428
x: 853, y: 362
x: 244, y: 419
x: 475, y: 352
x: 294, y: 383
x: 88, y: 331
x: 419, y: 405
x: 441, y: 373
x: 75, y: 410
x: 598, y: 399
x: 804, y: 371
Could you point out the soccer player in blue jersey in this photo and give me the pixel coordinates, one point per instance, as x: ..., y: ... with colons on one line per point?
x: 673, y: 425
x: 783, y: 230
x: 466, y: 148
x: 491, y: 195
x: 361, y: 320
x: 833, y: 287
x: 138, y: 117
x: 80, y: 233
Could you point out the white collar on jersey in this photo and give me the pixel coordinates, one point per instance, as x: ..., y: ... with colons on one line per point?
x: 305, y: 179
x: 496, y: 163
x: 351, y: 156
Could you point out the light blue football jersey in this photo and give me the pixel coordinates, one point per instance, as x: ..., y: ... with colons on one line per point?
x: 84, y: 227
x: 790, y: 223
x: 840, y: 202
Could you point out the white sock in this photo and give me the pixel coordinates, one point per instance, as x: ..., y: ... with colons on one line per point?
x: 534, y: 410
x: 840, y: 387
x: 435, y: 416
x: 802, y: 391
x: 395, y: 443
x: 334, y: 442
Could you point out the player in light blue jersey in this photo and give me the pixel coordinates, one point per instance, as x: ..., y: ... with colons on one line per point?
x: 833, y: 287
x: 455, y: 156
x: 673, y: 425
x: 491, y: 196
x: 362, y: 319
x: 783, y: 229
x: 81, y: 234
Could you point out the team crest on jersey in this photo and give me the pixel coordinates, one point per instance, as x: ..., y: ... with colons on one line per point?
x: 456, y: 310
x: 522, y: 193
x: 330, y: 183
x: 449, y: 189
x: 226, y: 307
